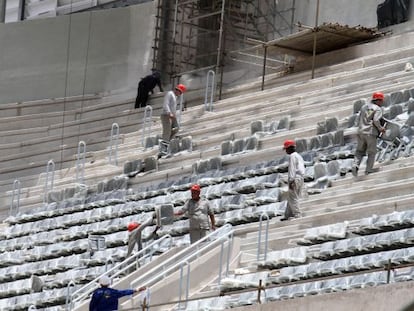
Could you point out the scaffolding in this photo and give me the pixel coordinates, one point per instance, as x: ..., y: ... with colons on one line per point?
x: 196, y: 35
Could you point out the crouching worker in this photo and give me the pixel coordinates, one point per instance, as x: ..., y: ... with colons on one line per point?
x: 135, y: 234
x: 106, y: 298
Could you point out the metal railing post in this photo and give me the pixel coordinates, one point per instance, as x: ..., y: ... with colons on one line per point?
x: 114, y: 131
x: 210, y: 86
x: 16, y: 186
x: 259, y: 242
x: 68, y: 295
x: 50, y: 164
x: 179, y: 110
x: 230, y: 237
x: 388, y: 268
x: 146, y: 124
x: 80, y: 162
x: 109, y: 260
x: 184, y: 263
x: 221, y: 262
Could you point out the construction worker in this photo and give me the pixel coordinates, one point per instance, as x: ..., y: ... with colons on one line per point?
x: 168, y: 114
x: 146, y: 86
x: 369, y: 128
x: 199, y: 213
x: 106, y: 298
x: 135, y: 234
x: 296, y: 171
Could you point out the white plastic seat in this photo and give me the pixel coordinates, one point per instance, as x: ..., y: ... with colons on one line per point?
x: 335, y: 285
x: 266, y: 196
x: 327, y: 268
x: 298, y: 290
x: 272, y: 294
x: 288, y: 256
x: 327, y: 250
x: 366, y: 225
x: 340, y: 247
x: 313, y: 288
x: 246, y: 299
x: 340, y: 265
x: 285, y: 292
x: 403, y: 274
x: 286, y: 275
x: 312, y: 269
x: 357, y: 263
x: 357, y: 281
x: 355, y: 245
x: 300, y: 272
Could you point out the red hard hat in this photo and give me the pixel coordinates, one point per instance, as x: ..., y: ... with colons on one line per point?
x: 181, y: 87
x: 195, y: 188
x: 132, y: 226
x: 378, y: 95
x: 288, y: 143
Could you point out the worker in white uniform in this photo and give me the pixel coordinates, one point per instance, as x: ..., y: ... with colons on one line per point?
x: 296, y: 171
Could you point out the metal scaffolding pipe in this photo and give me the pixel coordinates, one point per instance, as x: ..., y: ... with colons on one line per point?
x: 314, y: 38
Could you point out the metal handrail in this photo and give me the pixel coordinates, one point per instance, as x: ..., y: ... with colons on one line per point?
x: 114, y: 131
x: 146, y: 124
x: 128, y: 263
x: 17, y: 184
x: 194, y: 251
x: 210, y: 86
x: 50, y: 164
x: 80, y: 162
x: 259, y: 242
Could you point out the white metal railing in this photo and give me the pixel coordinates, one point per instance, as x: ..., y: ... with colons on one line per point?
x: 80, y: 162
x: 174, y: 263
x: 16, y: 187
x: 50, y: 168
x: 121, y: 268
x: 146, y: 124
x: 266, y: 240
x: 210, y: 87
x: 186, y: 257
x: 114, y: 136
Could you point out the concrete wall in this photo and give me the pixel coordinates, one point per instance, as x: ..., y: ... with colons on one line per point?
x: 76, y: 54
x: 105, y: 50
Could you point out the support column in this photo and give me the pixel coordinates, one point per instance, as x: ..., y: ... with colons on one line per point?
x: 2, y: 11
x: 315, y: 33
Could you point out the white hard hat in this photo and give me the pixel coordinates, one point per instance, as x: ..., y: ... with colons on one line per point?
x: 105, y: 280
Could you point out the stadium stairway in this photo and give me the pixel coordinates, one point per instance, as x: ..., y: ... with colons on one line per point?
x: 238, y: 172
x: 214, y: 150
